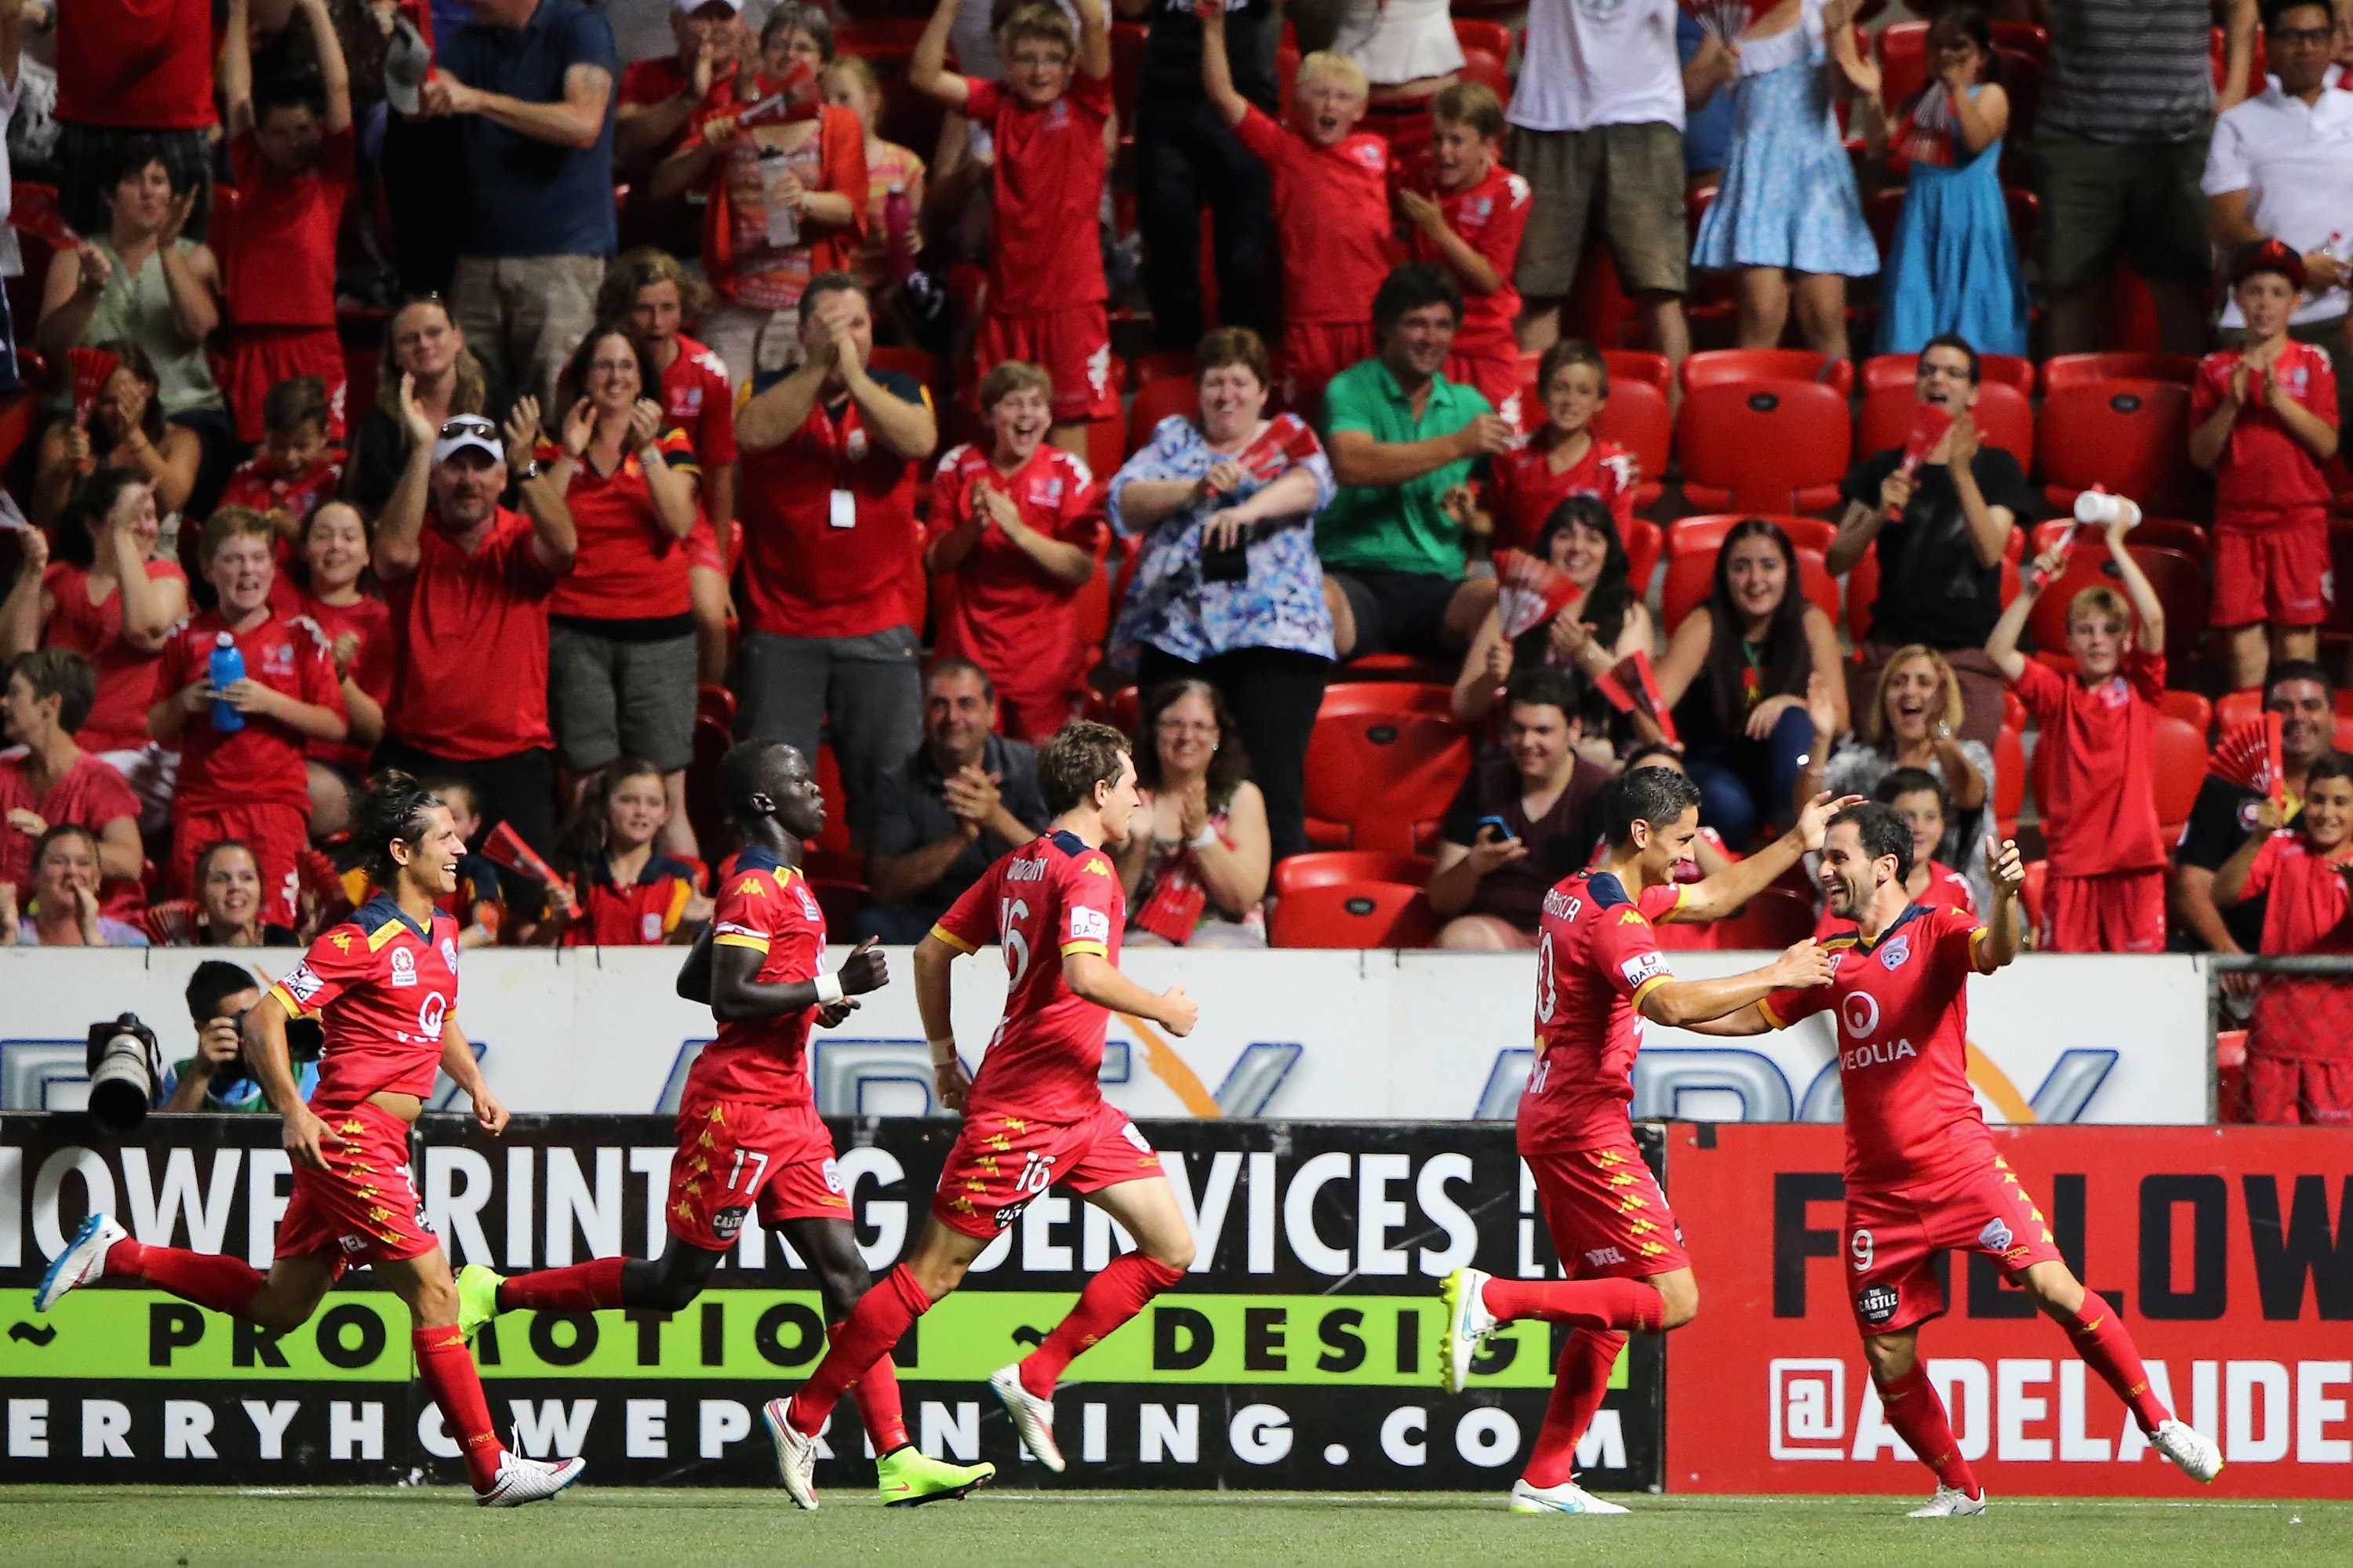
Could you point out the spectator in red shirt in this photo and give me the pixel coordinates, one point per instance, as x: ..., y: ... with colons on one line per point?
x: 1469, y: 222
x: 125, y: 431
x: 1046, y: 288
x: 658, y: 98
x: 654, y: 294
x: 293, y: 157
x: 621, y: 627
x: 623, y: 892
x: 228, y: 909
x: 131, y: 70
x: 294, y: 470
x: 829, y: 456
x: 2095, y: 761
x: 1014, y: 532
x: 48, y: 694
x: 1561, y: 457
x: 357, y: 627
x: 2262, y: 419
x: 468, y: 583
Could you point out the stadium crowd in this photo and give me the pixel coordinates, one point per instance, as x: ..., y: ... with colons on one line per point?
x: 1382, y: 415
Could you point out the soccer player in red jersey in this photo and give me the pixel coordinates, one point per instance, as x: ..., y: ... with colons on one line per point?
x: 385, y: 982
x: 1471, y: 221
x: 1918, y: 796
x: 1034, y: 1116
x: 748, y: 1133
x: 1922, y: 1177
x: 1046, y: 288
x: 1600, y: 975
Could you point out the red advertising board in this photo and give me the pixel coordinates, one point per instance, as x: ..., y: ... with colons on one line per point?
x: 2227, y: 1251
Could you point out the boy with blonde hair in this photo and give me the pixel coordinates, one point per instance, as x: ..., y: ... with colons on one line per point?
x: 1469, y: 221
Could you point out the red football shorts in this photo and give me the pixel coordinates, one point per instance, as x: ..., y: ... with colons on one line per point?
x: 2121, y: 912
x: 260, y: 357
x: 277, y: 835
x: 1073, y: 346
x: 2277, y: 574
x: 1497, y: 378
x: 1000, y: 1162
x: 1606, y: 1213
x: 1313, y: 353
x: 1893, y: 1237
x: 734, y: 1155
x: 363, y: 1207
x: 2290, y: 1091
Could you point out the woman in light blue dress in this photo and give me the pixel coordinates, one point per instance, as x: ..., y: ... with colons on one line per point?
x: 1787, y: 214
x: 1952, y: 264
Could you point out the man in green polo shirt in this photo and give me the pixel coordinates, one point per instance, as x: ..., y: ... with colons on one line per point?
x: 1404, y: 440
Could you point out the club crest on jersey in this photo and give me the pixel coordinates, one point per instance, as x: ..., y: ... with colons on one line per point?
x: 809, y: 903
x: 1894, y: 953
x: 404, y: 967
x: 1875, y: 1304
x: 650, y: 927
x: 449, y: 953
x: 1995, y: 1237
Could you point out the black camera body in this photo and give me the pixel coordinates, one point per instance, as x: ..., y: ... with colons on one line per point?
x: 125, y: 1065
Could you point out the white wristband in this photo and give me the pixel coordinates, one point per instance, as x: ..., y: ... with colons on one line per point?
x: 1203, y: 838
x: 828, y: 989
x: 937, y: 1046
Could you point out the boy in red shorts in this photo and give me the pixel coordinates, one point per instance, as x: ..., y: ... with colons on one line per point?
x: 250, y: 781
x: 1471, y: 223
x: 2262, y: 419
x: 1922, y: 1177
x: 749, y: 1138
x: 385, y: 985
x: 1035, y: 1117
x: 1331, y: 209
x: 2096, y: 760
x: 1045, y: 289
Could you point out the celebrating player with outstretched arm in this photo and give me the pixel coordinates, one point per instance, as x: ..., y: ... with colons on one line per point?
x: 385, y: 982
x: 1921, y: 1176
x: 1599, y: 974
x: 1035, y: 1118
x: 748, y: 1134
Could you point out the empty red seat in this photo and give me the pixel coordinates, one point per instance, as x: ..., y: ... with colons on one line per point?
x: 1352, y: 915
x: 1486, y: 67
x: 1903, y: 49
x: 1154, y: 401
x: 1331, y: 868
x: 2190, y: 708
x: 1636, y: 417
x: 2131, y: 436
x: 1643, y: 543
x: 1689, y: 578
x: 2178, y: 582
x: 1706, y: 532
x: 1493, y: 36
x: 1766, y: 446
x: 1638, y: 364
x: 2062, y: 371
x: 1161, y: 364
x: 1383, y: 765
x: 1741, y: 366
x: 2235, y: 708
x: 2004, y: 418
x: 2180, y: 769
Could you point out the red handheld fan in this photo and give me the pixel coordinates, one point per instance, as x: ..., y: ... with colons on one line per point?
x: 1530, y: 590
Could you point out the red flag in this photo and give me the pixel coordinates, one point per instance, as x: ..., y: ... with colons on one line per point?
x: 89, y: 368
x: 1631, y: 687
x: 1929, y: 423
x: 505, y: 847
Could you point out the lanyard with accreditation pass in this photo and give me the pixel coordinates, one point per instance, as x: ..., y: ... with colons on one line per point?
x: 846, y: 437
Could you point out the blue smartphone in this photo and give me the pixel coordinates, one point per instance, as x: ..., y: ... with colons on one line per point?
x: 1500, y: 826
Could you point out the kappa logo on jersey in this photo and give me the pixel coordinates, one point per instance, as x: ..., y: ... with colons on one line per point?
x: 342, y: 940
x: 1089, y: 925
x: 404, y: 967
x: 1875, y: 1304
x: 301, y: 984
x: 1995, y: 1237
x: 1648, y: 966
x: 1893, y: 952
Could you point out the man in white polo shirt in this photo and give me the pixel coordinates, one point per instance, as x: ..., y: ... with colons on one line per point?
x: 1598, y: 131
x: 2281, y: 167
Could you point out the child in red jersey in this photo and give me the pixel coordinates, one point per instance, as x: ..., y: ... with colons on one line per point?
x: 2300, y: 1042
x: 1046, y: 288
x: 1470, y: 222
x: 2095, y: 764
x: 1918, y: 796
x: 623, y: 891
x: 1013, y: 530
x: 247, y: 782
x: 1331, y: 209
x: 357, y: 627
x: 2262, y: 420
x: 295, y: 471
x: 1035, y: 1117
x: 384, y: 986
x: 291, y: 152
x: 1561, y: 457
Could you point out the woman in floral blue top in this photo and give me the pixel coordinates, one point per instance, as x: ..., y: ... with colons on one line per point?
x: 1228, y: 589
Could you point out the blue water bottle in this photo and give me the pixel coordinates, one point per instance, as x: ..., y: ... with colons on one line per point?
x: 228, y: 670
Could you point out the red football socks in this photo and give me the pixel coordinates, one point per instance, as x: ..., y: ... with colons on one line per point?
x: 1917, y: 1413
x: 447, y: 1372
x: 2107, y: 1347
x: 1585, y: 1303
x: 877, y: 1392
x: 591, y: 1287
x: 881, y: 1315
x: 1585, y: 1365
x: 209, y: 1279
x: 1110, y: 1298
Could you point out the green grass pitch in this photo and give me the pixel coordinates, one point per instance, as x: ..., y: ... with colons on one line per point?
x: 189, y: 1527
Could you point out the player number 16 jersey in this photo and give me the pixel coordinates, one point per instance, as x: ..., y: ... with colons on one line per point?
x: 1597, y: 956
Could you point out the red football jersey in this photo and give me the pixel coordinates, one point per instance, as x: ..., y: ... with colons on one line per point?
x: 299, y: 495
x: 370, y: 620
x: 641, y: 915
x: 2304, y: 912
x: 695, y: 397
x: 1051, y: 897
x: 629, y: 567
x: 1331, y: 216
x: 766, y: 906
x: 260, y: 764
x: 1903, y: 1010
x: 1048, y: 180
x: 126, y: 676
x: 2266, y: 474
x: 1523, y: 488
x: 277, y: 241
x: 1490, y: 217
x: 2096, y: 766
x: 384, y: 987
x: 472, y: 635
x: 998, y: 607
x: 1597, y: 956
x: 90, y: 793
x: 1946, y: 889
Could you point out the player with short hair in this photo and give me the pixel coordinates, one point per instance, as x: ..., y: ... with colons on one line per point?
x: 1600, y: 975
x: 1035, y: 1117
x: 385, y: 983
x: 1921, y: 1176
x: 749, y: 1136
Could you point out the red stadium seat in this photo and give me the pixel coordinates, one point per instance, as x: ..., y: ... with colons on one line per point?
x: 2190, y: 708
x: 2027, y: 38
x: 1903, y: 63
x: 1399, y: 669
x: 1627, y: 364
x: 1163, y: 364
x: 2131, y: 436
x: 1154, y: 401
x: 1334, y: 868
x: 2180, y: 769
x: 2179, y: 581
x: 921, y: 364
x: 1383, y: 764
x: 1707, y: 531
x: 1643, y: 543
x: 1493, y: 36
x: 2013, y: 712
x: 2004, y: 418
x: 2009, y: 779
x: 716, y: 703
x: 1746, y: 367
x: 1093, y: 604
x: 2235, y: 708
x: 1882, y: 372
x: 1769, y: 446
x: 2173, y: 532
x: 1689, y: 578
x: 1486, y: 67
x: 837, y: 818
x: 2062, y: 372
x: 1352, y: 915
x: 1636, y: 417
x: 1774, y: 918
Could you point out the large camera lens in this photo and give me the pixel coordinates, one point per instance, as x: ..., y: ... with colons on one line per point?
x: 122, y: 1086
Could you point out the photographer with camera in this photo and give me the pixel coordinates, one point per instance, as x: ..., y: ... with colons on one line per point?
x: 217, y: 1078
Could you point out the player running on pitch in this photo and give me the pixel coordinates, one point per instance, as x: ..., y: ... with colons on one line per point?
x: 748, y: 1132
x: 1599, y: 974
x: 1035, y: 1118
x: 1921, y: 1176
x: 385, y: 982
